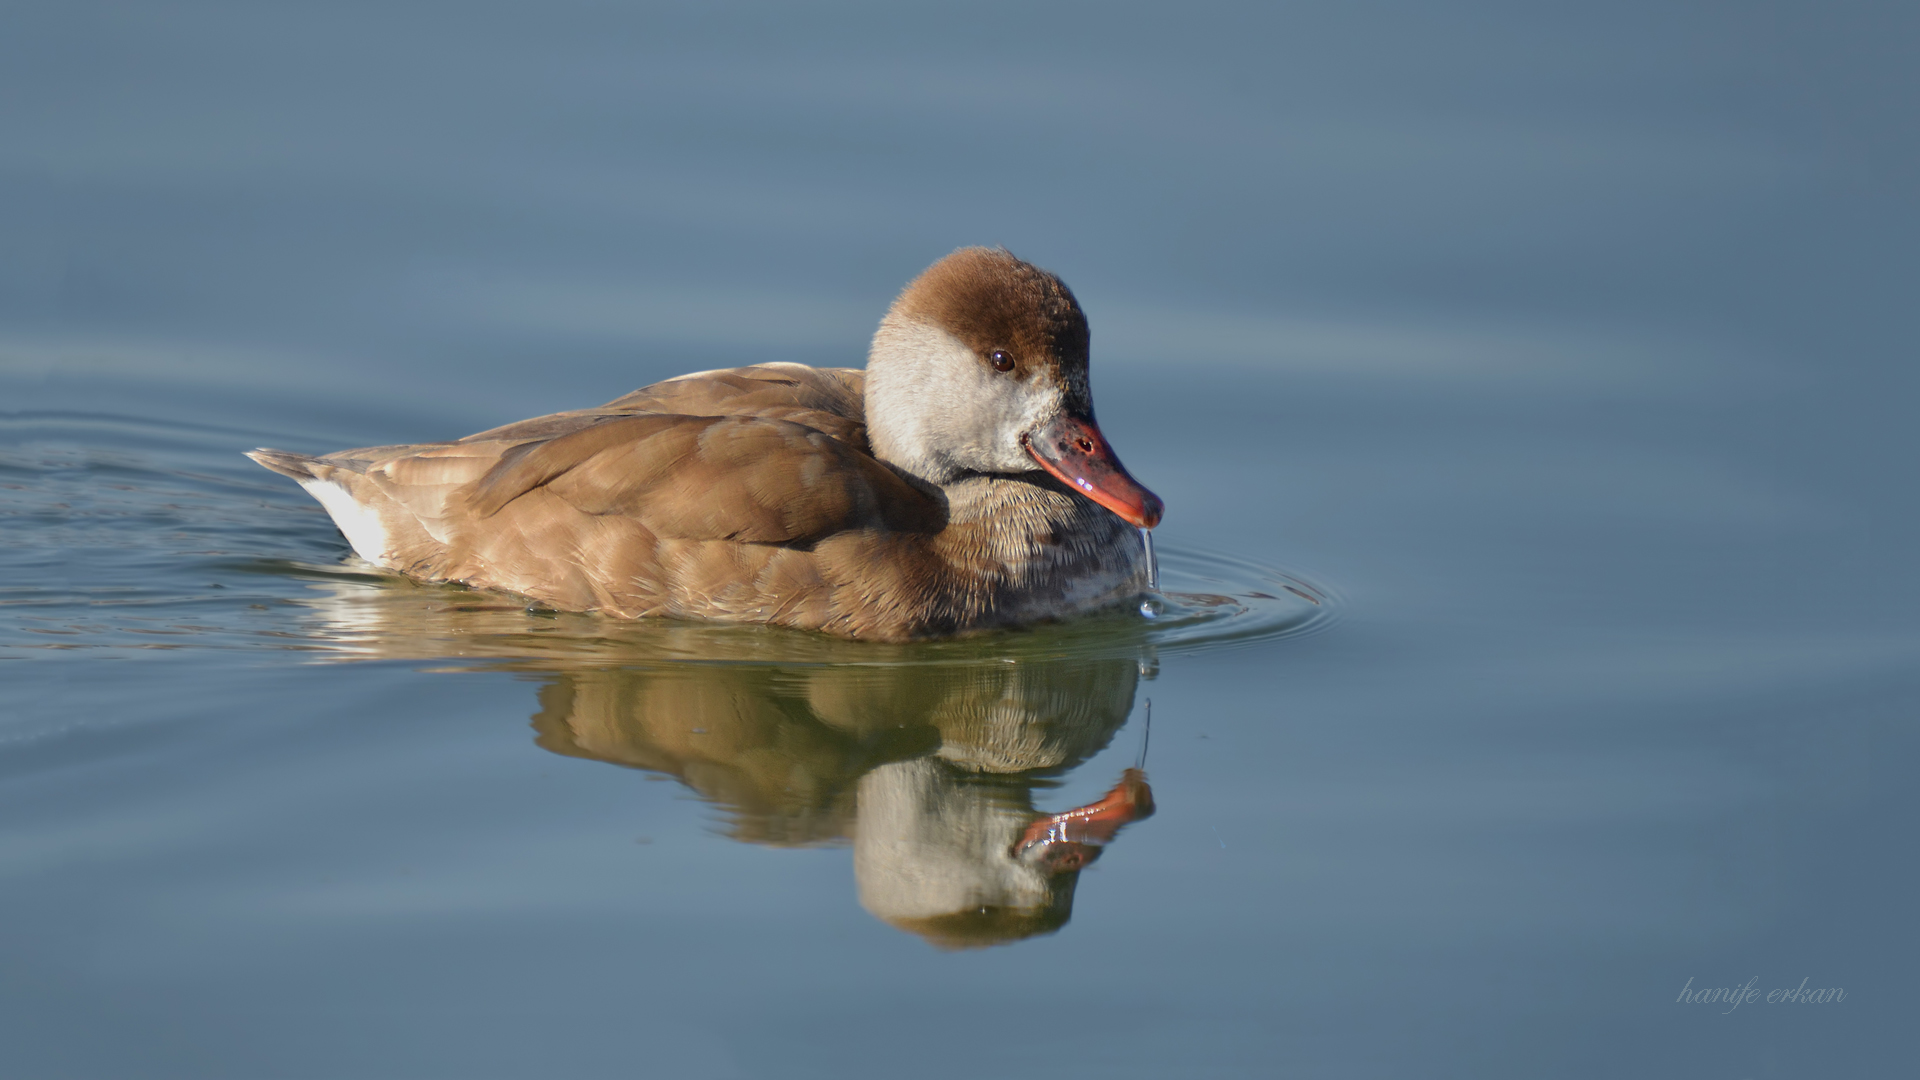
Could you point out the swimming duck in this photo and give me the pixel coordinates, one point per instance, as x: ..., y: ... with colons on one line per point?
x: 959, y: 483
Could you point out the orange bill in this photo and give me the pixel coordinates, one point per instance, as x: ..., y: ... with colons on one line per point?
x: 1073, y: 838
x: 1072, y: 449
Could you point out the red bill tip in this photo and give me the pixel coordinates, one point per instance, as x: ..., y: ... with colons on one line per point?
x: 1072, y: 449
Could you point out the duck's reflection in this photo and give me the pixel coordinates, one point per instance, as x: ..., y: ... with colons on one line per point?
x: 924, y: 757
x: 927, y: 770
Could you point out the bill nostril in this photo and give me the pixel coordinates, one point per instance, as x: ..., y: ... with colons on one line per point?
x: 1086, y: 446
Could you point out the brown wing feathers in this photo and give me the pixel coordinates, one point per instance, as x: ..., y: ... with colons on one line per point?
x: 708, y: 478
x: 687, y: 497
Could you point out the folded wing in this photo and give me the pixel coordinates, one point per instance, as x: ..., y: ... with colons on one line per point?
x: 652, y: 503
x: 705, y: 478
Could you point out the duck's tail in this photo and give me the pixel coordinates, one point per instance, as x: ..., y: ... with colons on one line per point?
x: 339, y: 484
x: 298, y: 466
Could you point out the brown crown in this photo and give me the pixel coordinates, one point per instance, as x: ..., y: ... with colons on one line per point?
x: 991, y: 300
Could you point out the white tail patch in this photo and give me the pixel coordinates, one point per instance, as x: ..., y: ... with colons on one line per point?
x: 360, y: 524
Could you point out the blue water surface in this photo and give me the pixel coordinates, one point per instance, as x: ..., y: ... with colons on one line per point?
x: 1530, y: 389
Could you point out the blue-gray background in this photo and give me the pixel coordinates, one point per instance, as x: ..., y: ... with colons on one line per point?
x: 1572, y: 345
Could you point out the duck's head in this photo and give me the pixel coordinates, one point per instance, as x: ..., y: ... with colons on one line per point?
x: 980, y: 366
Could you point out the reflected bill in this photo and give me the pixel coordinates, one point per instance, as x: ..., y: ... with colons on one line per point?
x: 928, y: 771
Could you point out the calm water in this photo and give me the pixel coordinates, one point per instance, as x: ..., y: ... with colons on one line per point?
x: 1531, y: 393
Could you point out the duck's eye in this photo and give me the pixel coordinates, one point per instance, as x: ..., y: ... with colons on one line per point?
x: 1002, y: 360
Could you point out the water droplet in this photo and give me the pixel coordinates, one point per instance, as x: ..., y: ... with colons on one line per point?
x: 1153, y: 562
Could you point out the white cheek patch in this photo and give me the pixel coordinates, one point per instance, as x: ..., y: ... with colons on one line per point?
x: 1010, y: 409
x: 360, y: 524
x: 931, y: 400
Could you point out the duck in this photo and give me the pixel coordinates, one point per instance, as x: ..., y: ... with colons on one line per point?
x: 959, y: 483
